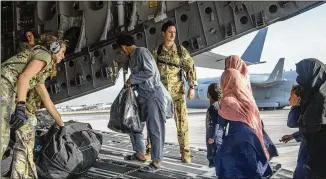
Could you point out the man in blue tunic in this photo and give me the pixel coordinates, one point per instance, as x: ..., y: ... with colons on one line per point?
x: 145, y: 78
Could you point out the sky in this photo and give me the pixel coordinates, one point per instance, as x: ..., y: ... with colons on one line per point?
x: 300, y: 37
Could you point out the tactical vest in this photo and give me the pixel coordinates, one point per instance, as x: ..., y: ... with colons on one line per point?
x: 179, y: 51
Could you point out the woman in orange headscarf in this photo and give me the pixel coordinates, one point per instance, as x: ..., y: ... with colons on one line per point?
x: 243, y: 153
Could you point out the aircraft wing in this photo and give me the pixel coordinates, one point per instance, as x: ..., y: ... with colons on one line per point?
x: 214, y: 61
x: 210, y: 60
x: 275, y: 77
x: 251, y: 55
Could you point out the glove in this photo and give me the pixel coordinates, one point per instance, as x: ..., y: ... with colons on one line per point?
x: 18, y: 118
x: 62, y: 131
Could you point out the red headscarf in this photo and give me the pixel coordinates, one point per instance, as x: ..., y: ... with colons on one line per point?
x: 238, y: 104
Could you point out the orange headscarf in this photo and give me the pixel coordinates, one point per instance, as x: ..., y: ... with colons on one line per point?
x: 238, y: 104
x: 235, y: 62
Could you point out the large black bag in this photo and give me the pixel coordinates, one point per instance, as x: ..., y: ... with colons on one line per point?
x: 68, y: 152
x: 125, y: 113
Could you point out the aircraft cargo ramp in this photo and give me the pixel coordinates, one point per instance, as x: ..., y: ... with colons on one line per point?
x: 110, y: 162
x: 115, y: 146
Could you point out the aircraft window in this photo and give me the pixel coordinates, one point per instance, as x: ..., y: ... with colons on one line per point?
x: 183, y: 17
x: 185, y: 44
x: 152, y: 30
x: 208, y: 10
x: 63, y: 85
x: 89, y: 77
x: 244, y: 20
x: 272, y: 9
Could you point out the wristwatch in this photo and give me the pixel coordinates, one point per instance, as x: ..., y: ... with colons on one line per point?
x: 21, y: 103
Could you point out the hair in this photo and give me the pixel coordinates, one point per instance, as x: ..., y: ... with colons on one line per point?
x: 297, y: 90
x: 46, y: 41
x: 215, y: 92
x: 166, y: 25
x: 126, y: 40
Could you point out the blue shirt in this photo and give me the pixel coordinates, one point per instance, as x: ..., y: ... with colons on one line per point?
x: 214, y: 127
x: 144, y: 72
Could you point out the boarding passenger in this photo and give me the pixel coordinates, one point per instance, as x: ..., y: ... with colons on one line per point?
x: 146, y: 80
x: 173, y: 61
x: 235, y: 62
x: 292, y: 122
x: 213, y: 126
x: 312, y: 121
x: 243, y: 153
x: 20, y: 74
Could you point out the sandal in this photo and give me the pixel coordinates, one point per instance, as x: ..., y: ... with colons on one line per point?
x: 151, y: 168
x: 134, y: 157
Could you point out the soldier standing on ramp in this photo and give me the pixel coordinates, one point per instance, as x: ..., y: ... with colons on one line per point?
x: 173, y: 61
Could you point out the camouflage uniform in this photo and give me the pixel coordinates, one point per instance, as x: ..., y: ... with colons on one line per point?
x: 25, y: 135
x: 176, y: 87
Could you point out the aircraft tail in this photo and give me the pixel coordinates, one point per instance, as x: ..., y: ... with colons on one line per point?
x: 277, y: 73
x: 253, y: 53
x: 276, y: 76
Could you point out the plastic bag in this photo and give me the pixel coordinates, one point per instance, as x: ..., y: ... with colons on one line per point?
x: 124, y: 113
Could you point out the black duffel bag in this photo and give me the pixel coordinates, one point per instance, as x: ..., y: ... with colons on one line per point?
x: 125, y: 113
x: 68, y: 152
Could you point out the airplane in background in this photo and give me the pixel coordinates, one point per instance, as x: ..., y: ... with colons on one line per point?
x: 251, y: 56
x: 271, y: 91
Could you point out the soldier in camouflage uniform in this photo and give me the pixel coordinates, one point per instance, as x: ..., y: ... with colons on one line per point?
x: 31, y: 66
x: 172, y: 69
x: 28, y: 42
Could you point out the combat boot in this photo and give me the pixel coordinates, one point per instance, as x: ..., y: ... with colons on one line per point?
x: 186, y: 158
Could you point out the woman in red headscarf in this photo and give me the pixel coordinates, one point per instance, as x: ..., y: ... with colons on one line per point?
x: 243, y: 153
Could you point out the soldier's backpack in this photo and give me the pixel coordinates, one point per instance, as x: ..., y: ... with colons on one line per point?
x: 179, y: 51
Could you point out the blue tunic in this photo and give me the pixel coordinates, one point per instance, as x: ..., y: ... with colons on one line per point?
x: 241, y: 154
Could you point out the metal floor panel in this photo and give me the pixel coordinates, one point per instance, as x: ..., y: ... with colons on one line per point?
x: 115, y: 146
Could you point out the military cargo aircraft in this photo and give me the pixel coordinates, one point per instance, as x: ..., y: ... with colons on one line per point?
x: 93, y: 60
x: 271, y: 91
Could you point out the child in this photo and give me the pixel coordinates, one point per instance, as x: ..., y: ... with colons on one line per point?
x: 214, y: 94
x: 292, y: 122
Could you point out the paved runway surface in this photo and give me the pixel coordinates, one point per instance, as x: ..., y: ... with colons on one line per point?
x: 117, y: 145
